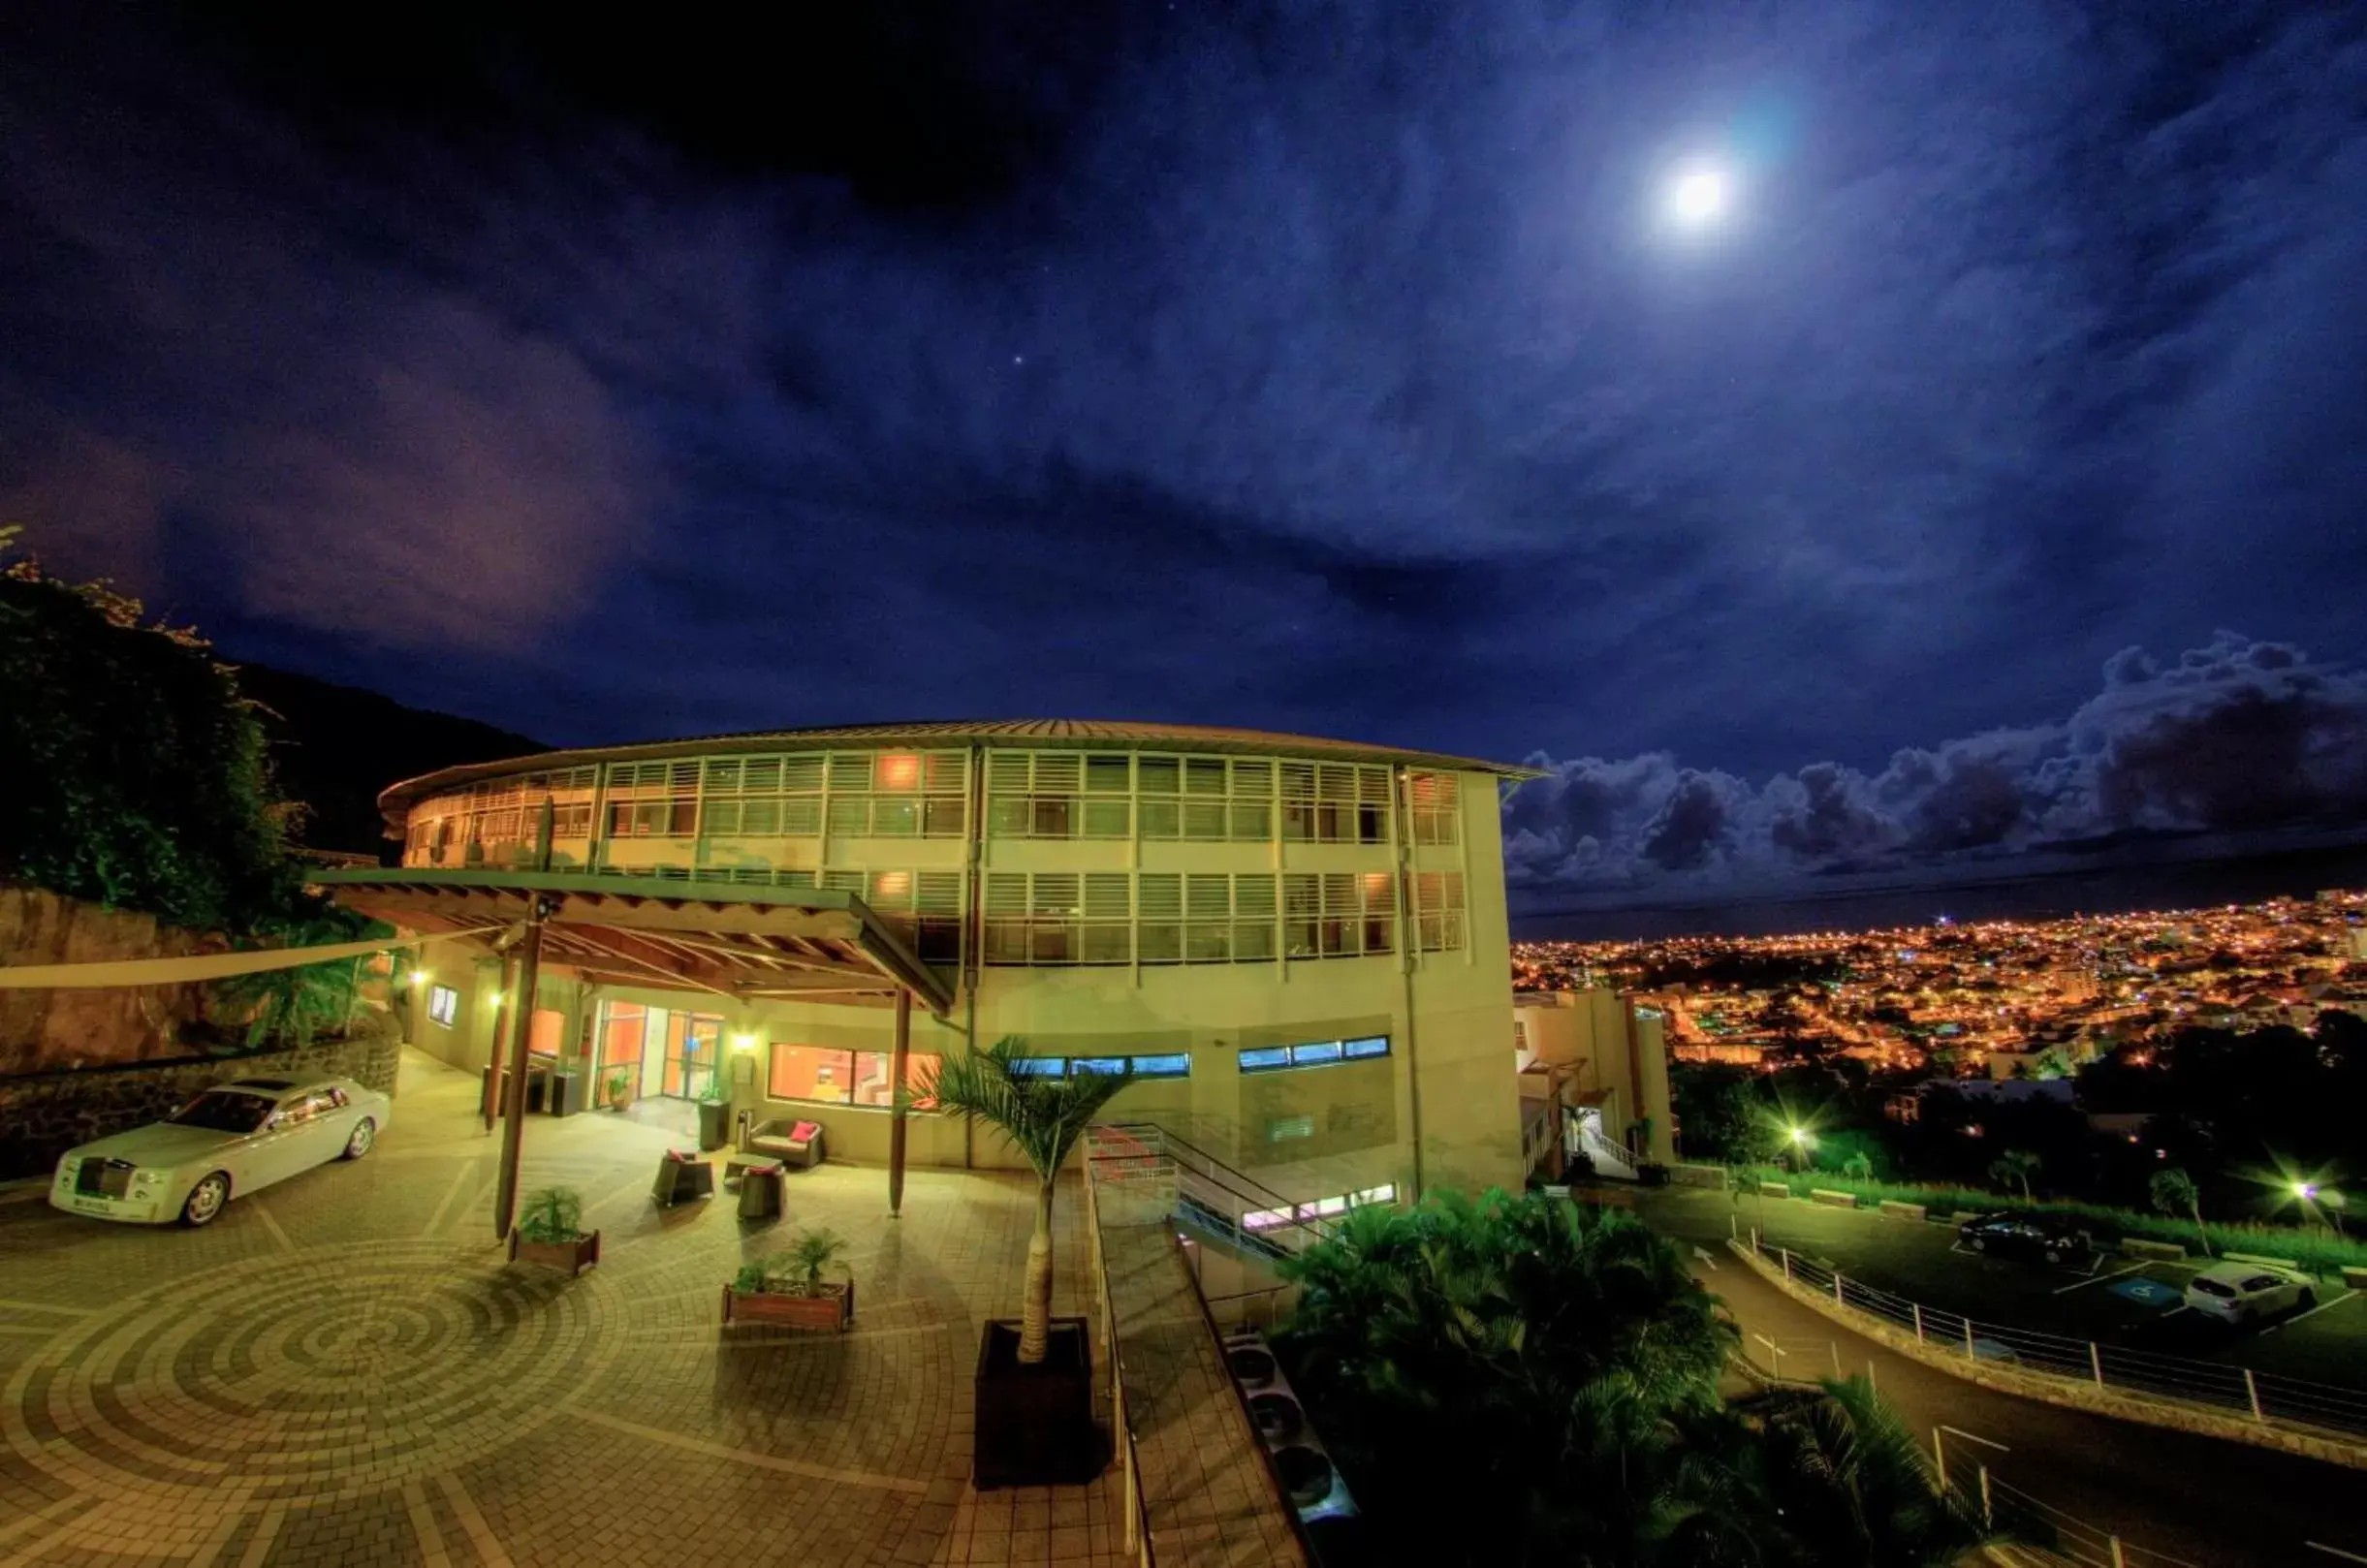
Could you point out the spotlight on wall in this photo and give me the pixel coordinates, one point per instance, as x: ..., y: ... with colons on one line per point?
x: 743, y: 1041
x: 419, y: 977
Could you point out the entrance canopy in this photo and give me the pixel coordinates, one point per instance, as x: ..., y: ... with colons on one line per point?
x: 791, y: 944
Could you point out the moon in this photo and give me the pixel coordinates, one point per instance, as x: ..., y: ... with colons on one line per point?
x: 1698, y: 196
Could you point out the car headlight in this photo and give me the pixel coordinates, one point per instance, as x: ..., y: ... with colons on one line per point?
x: 147, y: 1178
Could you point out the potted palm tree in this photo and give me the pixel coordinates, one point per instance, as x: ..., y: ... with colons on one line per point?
x: 620, y: 1090
x: 1034, y: 1387
x: 788, y: 1289
x: 549, y: 1232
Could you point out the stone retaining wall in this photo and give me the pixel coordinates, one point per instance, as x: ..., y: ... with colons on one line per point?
x: 2176, y: 1415
x: 44, y: 1030
x: 44, y: 1115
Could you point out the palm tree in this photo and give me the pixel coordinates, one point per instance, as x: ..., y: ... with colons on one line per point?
x: 2173, y: 1192
x: 1846, y: 1484
x: 1042, y: 1116
x: 290, y: 1007
x: 2013, y: 1165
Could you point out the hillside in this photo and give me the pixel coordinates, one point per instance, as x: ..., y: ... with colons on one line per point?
x: 336, y: 748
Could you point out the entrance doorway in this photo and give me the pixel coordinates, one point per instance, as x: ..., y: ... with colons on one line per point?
x: 663, y: 1051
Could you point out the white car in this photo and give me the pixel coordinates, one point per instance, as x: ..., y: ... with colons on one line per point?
x: 2247, y: 1292
x: 230, y: 1140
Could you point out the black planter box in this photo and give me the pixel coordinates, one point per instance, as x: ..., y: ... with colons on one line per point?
x: 1036, y: 1424
x: 714, y: 1124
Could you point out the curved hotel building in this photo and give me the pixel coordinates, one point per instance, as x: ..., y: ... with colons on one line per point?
x: 1299, y: 945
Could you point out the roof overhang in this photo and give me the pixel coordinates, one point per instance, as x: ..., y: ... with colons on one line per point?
x: 749, y: 944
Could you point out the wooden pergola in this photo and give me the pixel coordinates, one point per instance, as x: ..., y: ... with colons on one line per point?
x: 739, y: 942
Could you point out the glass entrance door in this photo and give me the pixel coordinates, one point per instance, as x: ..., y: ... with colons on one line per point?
x: 694, y: 1052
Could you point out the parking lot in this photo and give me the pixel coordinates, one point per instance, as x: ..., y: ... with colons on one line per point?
x: 2115, y: 1301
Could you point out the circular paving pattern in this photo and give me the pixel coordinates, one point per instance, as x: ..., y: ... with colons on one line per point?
x: 339, y: 1372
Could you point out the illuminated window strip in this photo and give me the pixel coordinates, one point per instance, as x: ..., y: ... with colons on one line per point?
x: 1165, y: 1064
x: 1266, y: 1219
x: 1313, y: 1054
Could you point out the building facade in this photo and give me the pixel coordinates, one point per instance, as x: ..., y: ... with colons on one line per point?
x: 1595, y: 1061
x: 1299, y: 945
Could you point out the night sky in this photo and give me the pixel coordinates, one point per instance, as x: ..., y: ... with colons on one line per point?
x: 1338, y: 368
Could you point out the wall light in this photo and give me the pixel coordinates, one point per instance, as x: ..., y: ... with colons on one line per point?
x: 743, y: 1041
x: 419, y: 977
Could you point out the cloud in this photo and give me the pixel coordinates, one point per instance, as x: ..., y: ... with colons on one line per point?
x: 2234, y: 737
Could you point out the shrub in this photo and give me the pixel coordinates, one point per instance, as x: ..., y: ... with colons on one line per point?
x: 550, y: 1216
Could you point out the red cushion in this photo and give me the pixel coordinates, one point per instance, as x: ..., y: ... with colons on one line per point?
x: 805, y: 1132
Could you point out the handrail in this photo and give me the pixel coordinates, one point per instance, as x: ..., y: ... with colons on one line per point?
x: 1251, y: 1187
x: 2266, y: 1398
x: 1216, y: 1202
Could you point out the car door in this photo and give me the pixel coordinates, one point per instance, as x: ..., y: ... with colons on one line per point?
x: 319, y: 1130
x: 279, y: 1150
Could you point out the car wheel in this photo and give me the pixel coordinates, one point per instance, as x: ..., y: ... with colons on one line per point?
x: 2054, y: 1254
x: 2306, y: 1300
x: 366, y: 1132
x: 1980, y: 1244
x: 205, y: 1201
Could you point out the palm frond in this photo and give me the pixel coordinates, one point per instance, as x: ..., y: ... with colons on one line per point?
x: 1039, y: 1116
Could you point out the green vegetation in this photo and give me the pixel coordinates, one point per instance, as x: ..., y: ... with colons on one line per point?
x: 550, y: 1216
x: 2318, y: 1251
x: 2173, y: 1192
x: 2013, y: 1165
x: 138, y: 774
x: 1042, y: 1117
x: 797, y: 1272
x: 1525, y: 1380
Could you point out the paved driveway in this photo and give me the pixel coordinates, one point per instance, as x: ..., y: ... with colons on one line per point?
x: 344, y: 1369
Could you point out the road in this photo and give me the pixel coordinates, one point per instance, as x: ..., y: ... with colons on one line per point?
x: 2210, y: 1503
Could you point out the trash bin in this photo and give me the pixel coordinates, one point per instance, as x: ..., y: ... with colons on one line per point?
x: 714, y: 1124
x: 566, y: 1096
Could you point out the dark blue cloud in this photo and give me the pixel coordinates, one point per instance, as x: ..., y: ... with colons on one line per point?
x: 1324, y: 368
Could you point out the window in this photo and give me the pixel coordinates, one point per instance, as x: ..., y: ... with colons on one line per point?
x: 923, y: 907
x: 1057, y: 795
x: 1313, y: 1054
x: 823, y: 1075
x: 1052, y: 918
x: 443, y: 1005
x: 1335, y: 803
x: 1206, y: 919
x: 1437, y: 908
x: 1266, y: 1219
x: 1338, y: 914
x: 1206, y: 797
x: 653, y: 799
x: 1433, y: 802
x: 1170, y: 1064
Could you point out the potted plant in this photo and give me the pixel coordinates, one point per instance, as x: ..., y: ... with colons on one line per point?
x: 787, y: 1288
x: 714, y: 1112
x: 620, y: 1090
x: 1035, y: 1386
x: 549, y: 1231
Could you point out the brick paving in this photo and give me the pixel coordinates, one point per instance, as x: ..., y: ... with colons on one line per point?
x: 343, y: 1371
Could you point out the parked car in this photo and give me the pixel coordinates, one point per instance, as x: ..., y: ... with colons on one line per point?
x: 228, y: 1141
x: 2051, y: 1237
x: 2246, y: 1293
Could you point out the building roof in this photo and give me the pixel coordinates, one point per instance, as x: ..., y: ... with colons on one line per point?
x: 811, y: 944
x: 1080, y: 734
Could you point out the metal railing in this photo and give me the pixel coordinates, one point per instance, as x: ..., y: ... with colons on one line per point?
x: 2268, y: 1398
x: 1211, y: 1195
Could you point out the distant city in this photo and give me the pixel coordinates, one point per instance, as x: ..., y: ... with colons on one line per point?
x: 2004, y: 999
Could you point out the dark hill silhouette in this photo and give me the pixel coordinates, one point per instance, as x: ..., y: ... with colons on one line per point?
x: 336, y: 748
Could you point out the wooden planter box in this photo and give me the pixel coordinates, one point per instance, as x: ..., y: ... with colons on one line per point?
x: 833, y: 1308
x: 1036, y: 1424
x: 573, y: 1256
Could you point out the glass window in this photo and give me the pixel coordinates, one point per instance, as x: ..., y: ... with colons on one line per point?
x: 443, y: 1005
x: 1111, y: 1065
x: 1372, y: 1045
x: 811, y: 1073
x: 1317, y: 1054
x: 1176, y: 1065
x: 1252, y: 1061
x: 1041, y: 1066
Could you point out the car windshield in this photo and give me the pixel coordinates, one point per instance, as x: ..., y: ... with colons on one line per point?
x: 2213, y: 1287
x: 223, y: 1110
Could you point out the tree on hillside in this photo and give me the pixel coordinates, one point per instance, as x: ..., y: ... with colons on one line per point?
x: 136, y: 773
x: 2013, y: 1165
x: 2173, y: 1193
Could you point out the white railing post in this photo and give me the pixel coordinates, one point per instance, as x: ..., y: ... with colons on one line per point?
x: 1988, y: 1515
x: 1940, y: 1458
x: 1786, y: 1251
x: 1838, y: 1300
x: 1970, y: 1353
x: 1918, y: 1306
x: 2251, y: 1391
x: 2118, y: 1560
x: 2096, y: 1363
